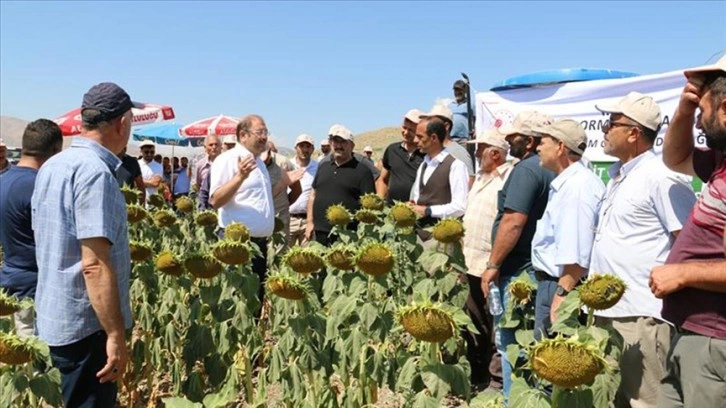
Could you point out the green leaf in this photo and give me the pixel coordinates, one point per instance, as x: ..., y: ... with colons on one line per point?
x: 210, y: 294
x: 567, y: 314
x: 524, y: 337
x: 180, y: 402
x: 604, y: 388
x: 437, y: 379
x: 488, y: 398
x: 421, y: 400
x: 571, y: 398
x: 225, y: 396
x: 432, y: 261
x: 368, y: 315
x: 522, y: 396
x: 426, y: 288
x: 47, y: 386
x: 513, y: 352
x: 407, y: 374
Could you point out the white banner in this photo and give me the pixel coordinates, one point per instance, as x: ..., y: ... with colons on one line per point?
x: 576, y: 100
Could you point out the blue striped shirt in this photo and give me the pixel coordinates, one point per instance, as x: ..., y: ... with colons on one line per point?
x: 76, y: 197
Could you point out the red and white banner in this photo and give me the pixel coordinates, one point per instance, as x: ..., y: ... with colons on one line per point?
x: 576, y: 100
x: 218, y: 125
x: 144, y: 113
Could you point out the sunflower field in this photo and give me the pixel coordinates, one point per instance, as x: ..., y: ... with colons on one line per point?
x: 374, y: 320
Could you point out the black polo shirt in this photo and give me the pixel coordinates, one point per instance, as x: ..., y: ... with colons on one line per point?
x: 335, y: 184
x: 402, y: 168
x: 128, y: 171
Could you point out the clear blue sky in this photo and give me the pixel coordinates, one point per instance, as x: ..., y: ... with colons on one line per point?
x: 307, y: 65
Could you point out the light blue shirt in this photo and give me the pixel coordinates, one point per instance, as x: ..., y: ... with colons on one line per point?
x: 76, y: 197
x: 566, y: 230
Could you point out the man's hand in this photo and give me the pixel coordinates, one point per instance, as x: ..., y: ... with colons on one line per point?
x: 155, y: 181
x: 309, y: 229
x: 666, y: 279
x: 420, y: 210
x: 556, y: 302
x: 117, y: 356
x: 489, y: 275
x: 690, y: 96
x: 245, y: 166
x: 295, y: 175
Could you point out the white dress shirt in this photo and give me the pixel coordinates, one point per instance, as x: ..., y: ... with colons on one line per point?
x: 566, y: 230
x: 147, y: 171
x: 644, y: 203
x: 252, y: 204
x: 458, y: 181
x: 300, y: 206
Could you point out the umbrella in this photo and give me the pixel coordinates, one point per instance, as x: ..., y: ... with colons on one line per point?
x: 165, y: 134
x: 218, y: 125
x: 144, y: 113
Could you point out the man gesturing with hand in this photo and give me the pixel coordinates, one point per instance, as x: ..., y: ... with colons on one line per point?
x: 240, y: 189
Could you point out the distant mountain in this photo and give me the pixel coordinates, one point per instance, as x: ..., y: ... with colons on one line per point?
x: 378, y: 139
x: 11, y: 130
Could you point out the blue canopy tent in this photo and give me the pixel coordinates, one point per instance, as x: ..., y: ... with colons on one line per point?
x: 166, y: 134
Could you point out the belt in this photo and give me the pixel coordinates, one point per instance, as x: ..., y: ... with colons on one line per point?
x: 298, y: 215
x: 681, y: 330
x: 544, y: 276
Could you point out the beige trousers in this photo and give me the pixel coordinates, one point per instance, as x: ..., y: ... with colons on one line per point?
x: 646, y: 344
x: 297, y: 231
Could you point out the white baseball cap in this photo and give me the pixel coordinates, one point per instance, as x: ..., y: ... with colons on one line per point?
x: 340, y: 131
x: 568, y: 131
x: 146, y: 143
x: 304, y: 138
x: 492, y: 137
x: 441, y: 111
x: 368, y: 149
x: 524, y: 122
x: 229, y: 139
x: 638, y: 107
x: 414, y: 115
x: 720, y: 65
x: 325, y: 142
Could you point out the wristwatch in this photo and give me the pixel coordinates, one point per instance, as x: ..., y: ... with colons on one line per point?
x: 560, y: 291
x: 427, y: 211
x: 491, y: 265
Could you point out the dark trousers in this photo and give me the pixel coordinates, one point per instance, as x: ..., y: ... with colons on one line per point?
x: 324, y: 238
x: 546, y: 287
x: 479, y: 347
x: 78, y: 364
x: 259, y: 267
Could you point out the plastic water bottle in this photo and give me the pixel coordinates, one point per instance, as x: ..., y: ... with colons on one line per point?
x: 495, y: 300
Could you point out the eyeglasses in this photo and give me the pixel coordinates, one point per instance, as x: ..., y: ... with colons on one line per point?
x: 610, y: 124
x: 147, y: 151
x: 259, y: 132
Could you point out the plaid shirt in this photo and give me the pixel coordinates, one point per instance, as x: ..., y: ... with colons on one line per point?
x: 76, y: 197
x: 481, y: 210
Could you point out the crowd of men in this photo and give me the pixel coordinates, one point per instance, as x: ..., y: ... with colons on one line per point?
x: 544, y: 213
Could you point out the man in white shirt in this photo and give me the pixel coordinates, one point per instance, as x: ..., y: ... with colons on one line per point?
x: 481, y: 209
x: 444, y: 113
x: 298, y: 209
x: 643, y: 211
x: 151, y: 171
x: 324, y: 149
x: 241, y: 191
x: 442, y: 182
x: 563, y: 239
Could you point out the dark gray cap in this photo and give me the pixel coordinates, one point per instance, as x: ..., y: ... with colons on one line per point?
x: 109, y: 99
